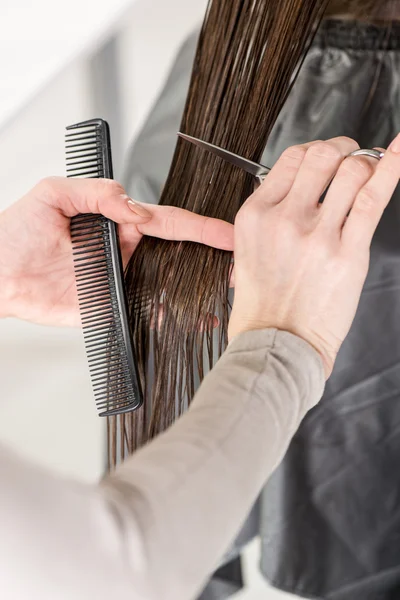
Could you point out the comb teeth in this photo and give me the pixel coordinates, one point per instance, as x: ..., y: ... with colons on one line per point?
x: 99, y: 281
x: 101, y: 320
x: 84, y: 144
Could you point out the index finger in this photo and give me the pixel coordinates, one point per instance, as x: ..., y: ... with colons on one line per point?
x: 372, y: 199
x: 173, y: 223
x: 107, y: 197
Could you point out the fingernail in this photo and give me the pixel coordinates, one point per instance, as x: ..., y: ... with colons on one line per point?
x: 395, y: 145
x: 138, y: 209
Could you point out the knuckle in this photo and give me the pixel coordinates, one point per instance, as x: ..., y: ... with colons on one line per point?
x: 250, y: 216
x: 106, y: 189
x: 355, y: 166
x: 249, y: 212
x: 97, y: 204
x: 47, y: 185
x: 348, y: 141
x: 204, y: 227
x: 324, y: 150
x: 170, y: 223
x: 287, y: 224
x: 111, y: 186
x: 366, y: 200
x: 294, y: 154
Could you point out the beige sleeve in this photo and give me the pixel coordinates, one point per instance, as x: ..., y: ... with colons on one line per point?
x: 156, y: 528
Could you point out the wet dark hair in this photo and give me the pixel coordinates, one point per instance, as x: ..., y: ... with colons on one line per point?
x: 248, y: 55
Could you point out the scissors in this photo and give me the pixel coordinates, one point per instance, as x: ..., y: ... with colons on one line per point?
x: 257, y: 170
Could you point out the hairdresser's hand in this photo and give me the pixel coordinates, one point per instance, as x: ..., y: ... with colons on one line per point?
x: 301, y: 266
x: 37, y: 281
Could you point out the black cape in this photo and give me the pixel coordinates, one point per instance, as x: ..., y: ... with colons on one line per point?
x: 330, y: 515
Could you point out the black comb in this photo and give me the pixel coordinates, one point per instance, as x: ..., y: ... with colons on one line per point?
x: 100, y: 280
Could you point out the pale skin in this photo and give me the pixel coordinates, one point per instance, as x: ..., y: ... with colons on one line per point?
x: 37, y: 281
x: 299, y: 266
x: 303, y: 267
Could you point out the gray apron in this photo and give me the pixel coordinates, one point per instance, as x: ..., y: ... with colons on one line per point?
x: 330, y: 514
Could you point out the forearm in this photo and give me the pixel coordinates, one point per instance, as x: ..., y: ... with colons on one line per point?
x: 197, y: 482
x: 159, y: 525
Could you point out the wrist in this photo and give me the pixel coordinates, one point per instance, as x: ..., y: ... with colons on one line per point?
x: 327, y: 355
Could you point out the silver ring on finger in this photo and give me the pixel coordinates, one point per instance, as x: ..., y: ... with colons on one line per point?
x: 368, y: 152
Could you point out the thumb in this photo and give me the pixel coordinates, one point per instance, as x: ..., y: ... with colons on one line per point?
x: 98, y: 196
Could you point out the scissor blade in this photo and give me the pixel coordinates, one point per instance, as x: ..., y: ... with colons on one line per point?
x: 247, y: 165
